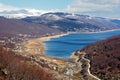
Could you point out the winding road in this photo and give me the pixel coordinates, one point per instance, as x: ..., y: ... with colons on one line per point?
x: 88, y: 69
x: 86, y: 65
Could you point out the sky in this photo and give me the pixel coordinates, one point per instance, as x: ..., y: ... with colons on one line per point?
x: 99, y: 8
x: 38, y: 4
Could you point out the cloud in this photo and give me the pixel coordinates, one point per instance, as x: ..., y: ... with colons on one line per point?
x: 96, y: 7
x: 92, y: 5
x: 99, y: 8
x: 15, y: 12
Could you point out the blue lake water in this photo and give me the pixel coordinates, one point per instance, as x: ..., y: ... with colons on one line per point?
x: 63, y: 47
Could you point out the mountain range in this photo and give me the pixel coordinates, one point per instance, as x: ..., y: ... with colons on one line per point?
x: 55, y: 23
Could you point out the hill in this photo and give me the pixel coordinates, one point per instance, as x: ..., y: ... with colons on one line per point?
x: 105, y: 58
x: 17, y: 67
x: 17, y: 26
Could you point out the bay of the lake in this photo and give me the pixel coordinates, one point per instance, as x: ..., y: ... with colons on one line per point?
x: 63, y: 47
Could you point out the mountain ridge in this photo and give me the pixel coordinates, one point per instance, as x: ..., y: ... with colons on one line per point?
x: 69, y: 22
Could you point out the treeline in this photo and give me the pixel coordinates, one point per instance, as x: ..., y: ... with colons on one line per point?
x: 16, y: 67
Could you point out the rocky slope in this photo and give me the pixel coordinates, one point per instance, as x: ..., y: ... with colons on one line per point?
x: 104, y: 58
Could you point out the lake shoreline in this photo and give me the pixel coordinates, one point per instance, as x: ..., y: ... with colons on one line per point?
x: 80, y: 33
x: 35, y: 49
x: 93, y: 32
x: 37, y: 45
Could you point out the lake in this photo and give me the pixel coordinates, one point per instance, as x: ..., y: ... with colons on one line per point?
x: 64, y: 46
